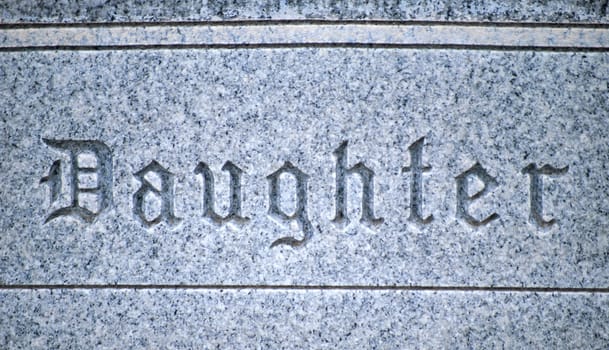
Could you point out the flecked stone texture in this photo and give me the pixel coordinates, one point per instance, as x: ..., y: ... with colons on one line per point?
x: 364, y: 197
x: 145, y: 319
x: 261, y: 108
x: 70, y: 11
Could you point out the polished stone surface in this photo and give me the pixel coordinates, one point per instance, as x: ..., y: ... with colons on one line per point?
x: 428, y: 196
x: 262, y: 108
x: 254, y: 319
x: 70, y: 11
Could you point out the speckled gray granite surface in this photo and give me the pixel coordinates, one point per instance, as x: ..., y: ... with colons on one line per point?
x: 69, y: 11
x: 261, y: 109
x: 295, y: 320
x: 285, y: 197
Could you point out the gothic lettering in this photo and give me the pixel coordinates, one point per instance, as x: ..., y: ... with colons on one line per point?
x: 234, y: 210
x: 367, y: 177
x: 163, y: 191
x: 464, y: 199
x: 536, y: 191
x: 416, y: 182
x: 101, y: 169
x: 300, y: 214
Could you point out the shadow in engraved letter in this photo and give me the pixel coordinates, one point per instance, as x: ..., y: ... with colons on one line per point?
x: 164, y: 192
x: 102, y: 169
x: 464, y: 199
x: 367, y: 177
x: 536, y: 191
x: 416, y: 183
x: 300, y: 214
x: 234, y: 211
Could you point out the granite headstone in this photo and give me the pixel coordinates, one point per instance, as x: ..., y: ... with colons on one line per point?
x: 286, y: 174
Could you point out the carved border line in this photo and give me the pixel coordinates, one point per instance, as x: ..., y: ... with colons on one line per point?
x: 295, y: 34
x: 412, y: 288
x: 505, y: 36
x: 252, y: 22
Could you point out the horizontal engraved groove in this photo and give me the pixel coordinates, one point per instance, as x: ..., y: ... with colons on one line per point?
x: 263, y: 22
x: 307, y: 287
x: 309, y: 34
